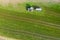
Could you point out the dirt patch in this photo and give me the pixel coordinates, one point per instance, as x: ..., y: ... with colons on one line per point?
x: 6, y: 38
x: 14, y: 2
x: 5, y: 2
x: 21, y: 1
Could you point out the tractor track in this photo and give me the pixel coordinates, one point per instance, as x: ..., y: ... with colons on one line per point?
x: 30, y: 20
x: 17, y: 32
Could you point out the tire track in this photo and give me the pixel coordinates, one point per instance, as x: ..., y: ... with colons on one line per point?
x: 17, y: 32
x: 35, y: 33
x: 30, y: 20
x: 23, y: 20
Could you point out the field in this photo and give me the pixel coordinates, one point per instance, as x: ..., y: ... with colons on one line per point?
x: 16, y: 22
